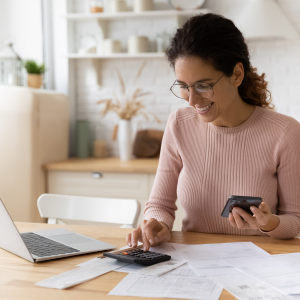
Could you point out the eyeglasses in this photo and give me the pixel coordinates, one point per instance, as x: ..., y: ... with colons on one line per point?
x: 203, y: 89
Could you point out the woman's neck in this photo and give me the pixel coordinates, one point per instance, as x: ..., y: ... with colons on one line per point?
x: 235, y: 115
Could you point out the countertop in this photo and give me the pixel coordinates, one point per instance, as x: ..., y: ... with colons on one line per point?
x: 108, y: 164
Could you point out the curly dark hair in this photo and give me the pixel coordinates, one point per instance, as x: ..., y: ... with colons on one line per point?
x: 220, y: 43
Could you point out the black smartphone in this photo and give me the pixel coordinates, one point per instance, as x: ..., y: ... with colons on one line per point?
x: 244, y: 202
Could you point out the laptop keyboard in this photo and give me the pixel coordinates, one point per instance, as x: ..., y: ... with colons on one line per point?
x: 42, y: 246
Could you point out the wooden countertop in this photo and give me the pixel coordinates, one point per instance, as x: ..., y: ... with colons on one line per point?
x: 108, y: 164
x: 18, y: 276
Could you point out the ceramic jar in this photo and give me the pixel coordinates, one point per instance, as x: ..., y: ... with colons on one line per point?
x: 118, y: 6
x: 142, y: 5
x: 137, y: 44
x: 111, y: 46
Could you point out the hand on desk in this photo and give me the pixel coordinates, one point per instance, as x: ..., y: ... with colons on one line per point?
x: 262, y: 218
x: 150, y: 233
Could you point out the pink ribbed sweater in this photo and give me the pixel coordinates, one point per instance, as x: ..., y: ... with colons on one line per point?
x: 201, y: 165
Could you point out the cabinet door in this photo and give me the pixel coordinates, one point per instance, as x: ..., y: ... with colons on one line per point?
x: 112, y: 185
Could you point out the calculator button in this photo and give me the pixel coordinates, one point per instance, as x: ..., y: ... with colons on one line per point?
x: 125, y: 253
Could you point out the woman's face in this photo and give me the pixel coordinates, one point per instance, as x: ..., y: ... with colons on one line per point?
x: 190, y: 70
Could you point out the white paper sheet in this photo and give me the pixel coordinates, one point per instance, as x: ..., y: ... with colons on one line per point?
x: 282, y: 271
x: 245, y: 287
x: 179, y: 283
x: 161, y: 268
x: 205, y: 260
x: 81, y: 274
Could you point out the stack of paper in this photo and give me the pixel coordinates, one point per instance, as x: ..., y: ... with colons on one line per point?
x: 281, y: 272
x: 224, y: 264
x: 180, y: 282
x: 209, y: 268
x: 198, y: 272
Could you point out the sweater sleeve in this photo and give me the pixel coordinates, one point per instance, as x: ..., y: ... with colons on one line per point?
x: 161, y: 204
x: 288, y: 174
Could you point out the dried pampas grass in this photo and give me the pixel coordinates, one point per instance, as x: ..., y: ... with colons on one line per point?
x: 129, y: 106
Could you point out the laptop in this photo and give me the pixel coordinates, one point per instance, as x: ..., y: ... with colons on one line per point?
x: 42, y: 245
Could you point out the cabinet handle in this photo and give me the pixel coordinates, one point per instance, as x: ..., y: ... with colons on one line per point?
x: 96, y: 175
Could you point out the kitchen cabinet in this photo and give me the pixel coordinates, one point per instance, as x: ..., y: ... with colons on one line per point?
x: 34, y: 127
x: 107, y: 178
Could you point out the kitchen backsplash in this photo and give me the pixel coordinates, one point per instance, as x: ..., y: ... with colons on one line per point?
x: 280, y: 60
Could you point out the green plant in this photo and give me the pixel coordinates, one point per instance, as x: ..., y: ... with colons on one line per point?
x: 33, y: 68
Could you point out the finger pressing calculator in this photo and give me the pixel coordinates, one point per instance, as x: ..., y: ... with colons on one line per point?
x: 138, y: 256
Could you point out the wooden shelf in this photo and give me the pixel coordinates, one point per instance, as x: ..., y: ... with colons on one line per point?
x: 133, y: 15
x: 116, y: 55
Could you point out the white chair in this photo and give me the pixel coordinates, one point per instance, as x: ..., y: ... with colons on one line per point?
x: 104, y: 210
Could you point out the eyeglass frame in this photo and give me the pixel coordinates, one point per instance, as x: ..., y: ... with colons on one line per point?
x: 189, y: 86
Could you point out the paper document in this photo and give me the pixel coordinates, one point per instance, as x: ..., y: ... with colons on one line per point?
x: 205, y: 260
x: 219, y: 251
x: 282, y: 272
x: 245, y: 287
x: 161, y: 268
x: 81, y: 274
x: 179, y: 283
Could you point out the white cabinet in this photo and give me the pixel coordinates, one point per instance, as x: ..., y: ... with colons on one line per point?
x: 106, y: 184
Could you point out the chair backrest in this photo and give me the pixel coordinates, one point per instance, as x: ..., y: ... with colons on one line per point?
x: 106, y: 210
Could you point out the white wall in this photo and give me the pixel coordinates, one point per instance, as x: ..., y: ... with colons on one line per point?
x: 279, y: 60
x: 21, y: 23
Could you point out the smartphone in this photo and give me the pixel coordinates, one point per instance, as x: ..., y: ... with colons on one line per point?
x: 244, y: 202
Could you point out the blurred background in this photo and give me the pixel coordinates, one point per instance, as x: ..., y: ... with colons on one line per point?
x: 68, y: 66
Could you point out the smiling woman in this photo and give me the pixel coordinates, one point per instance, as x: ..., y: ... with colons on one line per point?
x: 228, y: 142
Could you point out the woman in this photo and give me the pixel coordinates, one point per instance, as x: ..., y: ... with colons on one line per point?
x: 228, y: 142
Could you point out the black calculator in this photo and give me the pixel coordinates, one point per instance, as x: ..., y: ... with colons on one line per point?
x: 138, y: 256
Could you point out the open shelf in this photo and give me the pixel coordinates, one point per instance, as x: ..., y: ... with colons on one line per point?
x: 131, y: 15
x: 116, y: 55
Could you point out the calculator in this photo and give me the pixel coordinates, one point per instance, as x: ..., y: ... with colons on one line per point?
x: 138, y: 256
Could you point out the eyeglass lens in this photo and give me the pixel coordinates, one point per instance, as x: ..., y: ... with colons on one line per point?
x: 202, y: 89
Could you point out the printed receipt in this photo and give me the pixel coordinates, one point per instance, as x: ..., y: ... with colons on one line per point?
x: 81, y: 274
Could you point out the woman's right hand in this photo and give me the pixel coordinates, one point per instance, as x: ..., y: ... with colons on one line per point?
x: 150, y: 233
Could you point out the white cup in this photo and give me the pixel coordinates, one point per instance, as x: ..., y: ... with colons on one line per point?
x: 137, y: 44
x: 117, y: 6
x: 142, y: 5
x: 111, y: 46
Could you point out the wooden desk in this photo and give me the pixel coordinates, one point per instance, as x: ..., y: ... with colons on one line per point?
x: 18, y: 276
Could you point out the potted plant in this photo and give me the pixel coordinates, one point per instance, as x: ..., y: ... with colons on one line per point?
x: 126, y: 107
x: 35, y: 73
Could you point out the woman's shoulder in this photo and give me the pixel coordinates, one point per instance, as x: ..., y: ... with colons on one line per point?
x: 279, y: 120
x: 183, y: 114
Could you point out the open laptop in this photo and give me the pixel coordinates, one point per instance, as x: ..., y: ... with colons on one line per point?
x: 46, y: 244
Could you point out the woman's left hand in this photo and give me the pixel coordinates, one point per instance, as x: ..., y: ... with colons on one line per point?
x: 262, y: 218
